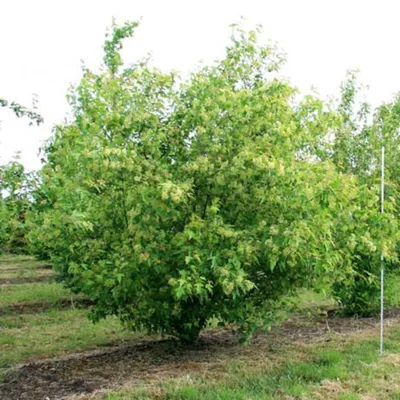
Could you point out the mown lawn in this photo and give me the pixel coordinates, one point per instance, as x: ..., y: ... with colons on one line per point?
x: 50, y: 292
x: 26, y: 335
x: 19, y: 261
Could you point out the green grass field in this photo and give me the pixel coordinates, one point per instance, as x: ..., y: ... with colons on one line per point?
x: 26, y: 336
x: 310, y: 357
x: 50, y: 292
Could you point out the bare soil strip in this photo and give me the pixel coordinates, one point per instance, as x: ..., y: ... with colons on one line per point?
x: 13, y: 259
x: 24, y: 267
x: 22, y: 280
x: 25, y: 273
x: 151, y: 360
x: 34, y: 307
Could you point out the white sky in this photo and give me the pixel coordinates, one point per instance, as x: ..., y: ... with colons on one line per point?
x: 42, y: 43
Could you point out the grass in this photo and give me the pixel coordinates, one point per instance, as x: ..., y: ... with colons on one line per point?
x: 310, y: 301
x: 50, y: 292
x: 27, y: 337
x: 22, y: 261
x: 15, y: 258
x: 334, y: 370
x: 26, y: 273
x: 341, y: 368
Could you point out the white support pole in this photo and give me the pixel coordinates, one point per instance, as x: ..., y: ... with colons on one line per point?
x: 382, y: 263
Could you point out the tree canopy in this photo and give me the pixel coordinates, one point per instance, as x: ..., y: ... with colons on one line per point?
x: 172, y: 201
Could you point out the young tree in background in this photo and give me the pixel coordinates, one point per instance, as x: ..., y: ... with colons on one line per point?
x: 15, y: 187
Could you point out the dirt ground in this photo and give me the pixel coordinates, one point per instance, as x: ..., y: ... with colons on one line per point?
x: 150, y: 360
x: 19, y: 268
x: 39, y: 306
x: 23, y: 280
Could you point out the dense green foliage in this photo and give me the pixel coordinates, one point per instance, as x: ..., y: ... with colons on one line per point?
x: 15, y: 202
x: 357, y: 151
x: 16, y: 186
x: 171, y: 201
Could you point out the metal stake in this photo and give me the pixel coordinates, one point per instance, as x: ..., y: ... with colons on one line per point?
x: 382, y: 263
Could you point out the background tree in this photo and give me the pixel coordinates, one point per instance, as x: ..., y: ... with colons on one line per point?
x: 355, y: 148
x: 15, y: 202
x: 21, y: 111
x: 15, y: 187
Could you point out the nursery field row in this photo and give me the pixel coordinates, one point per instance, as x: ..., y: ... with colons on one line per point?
x: 49, y: 349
